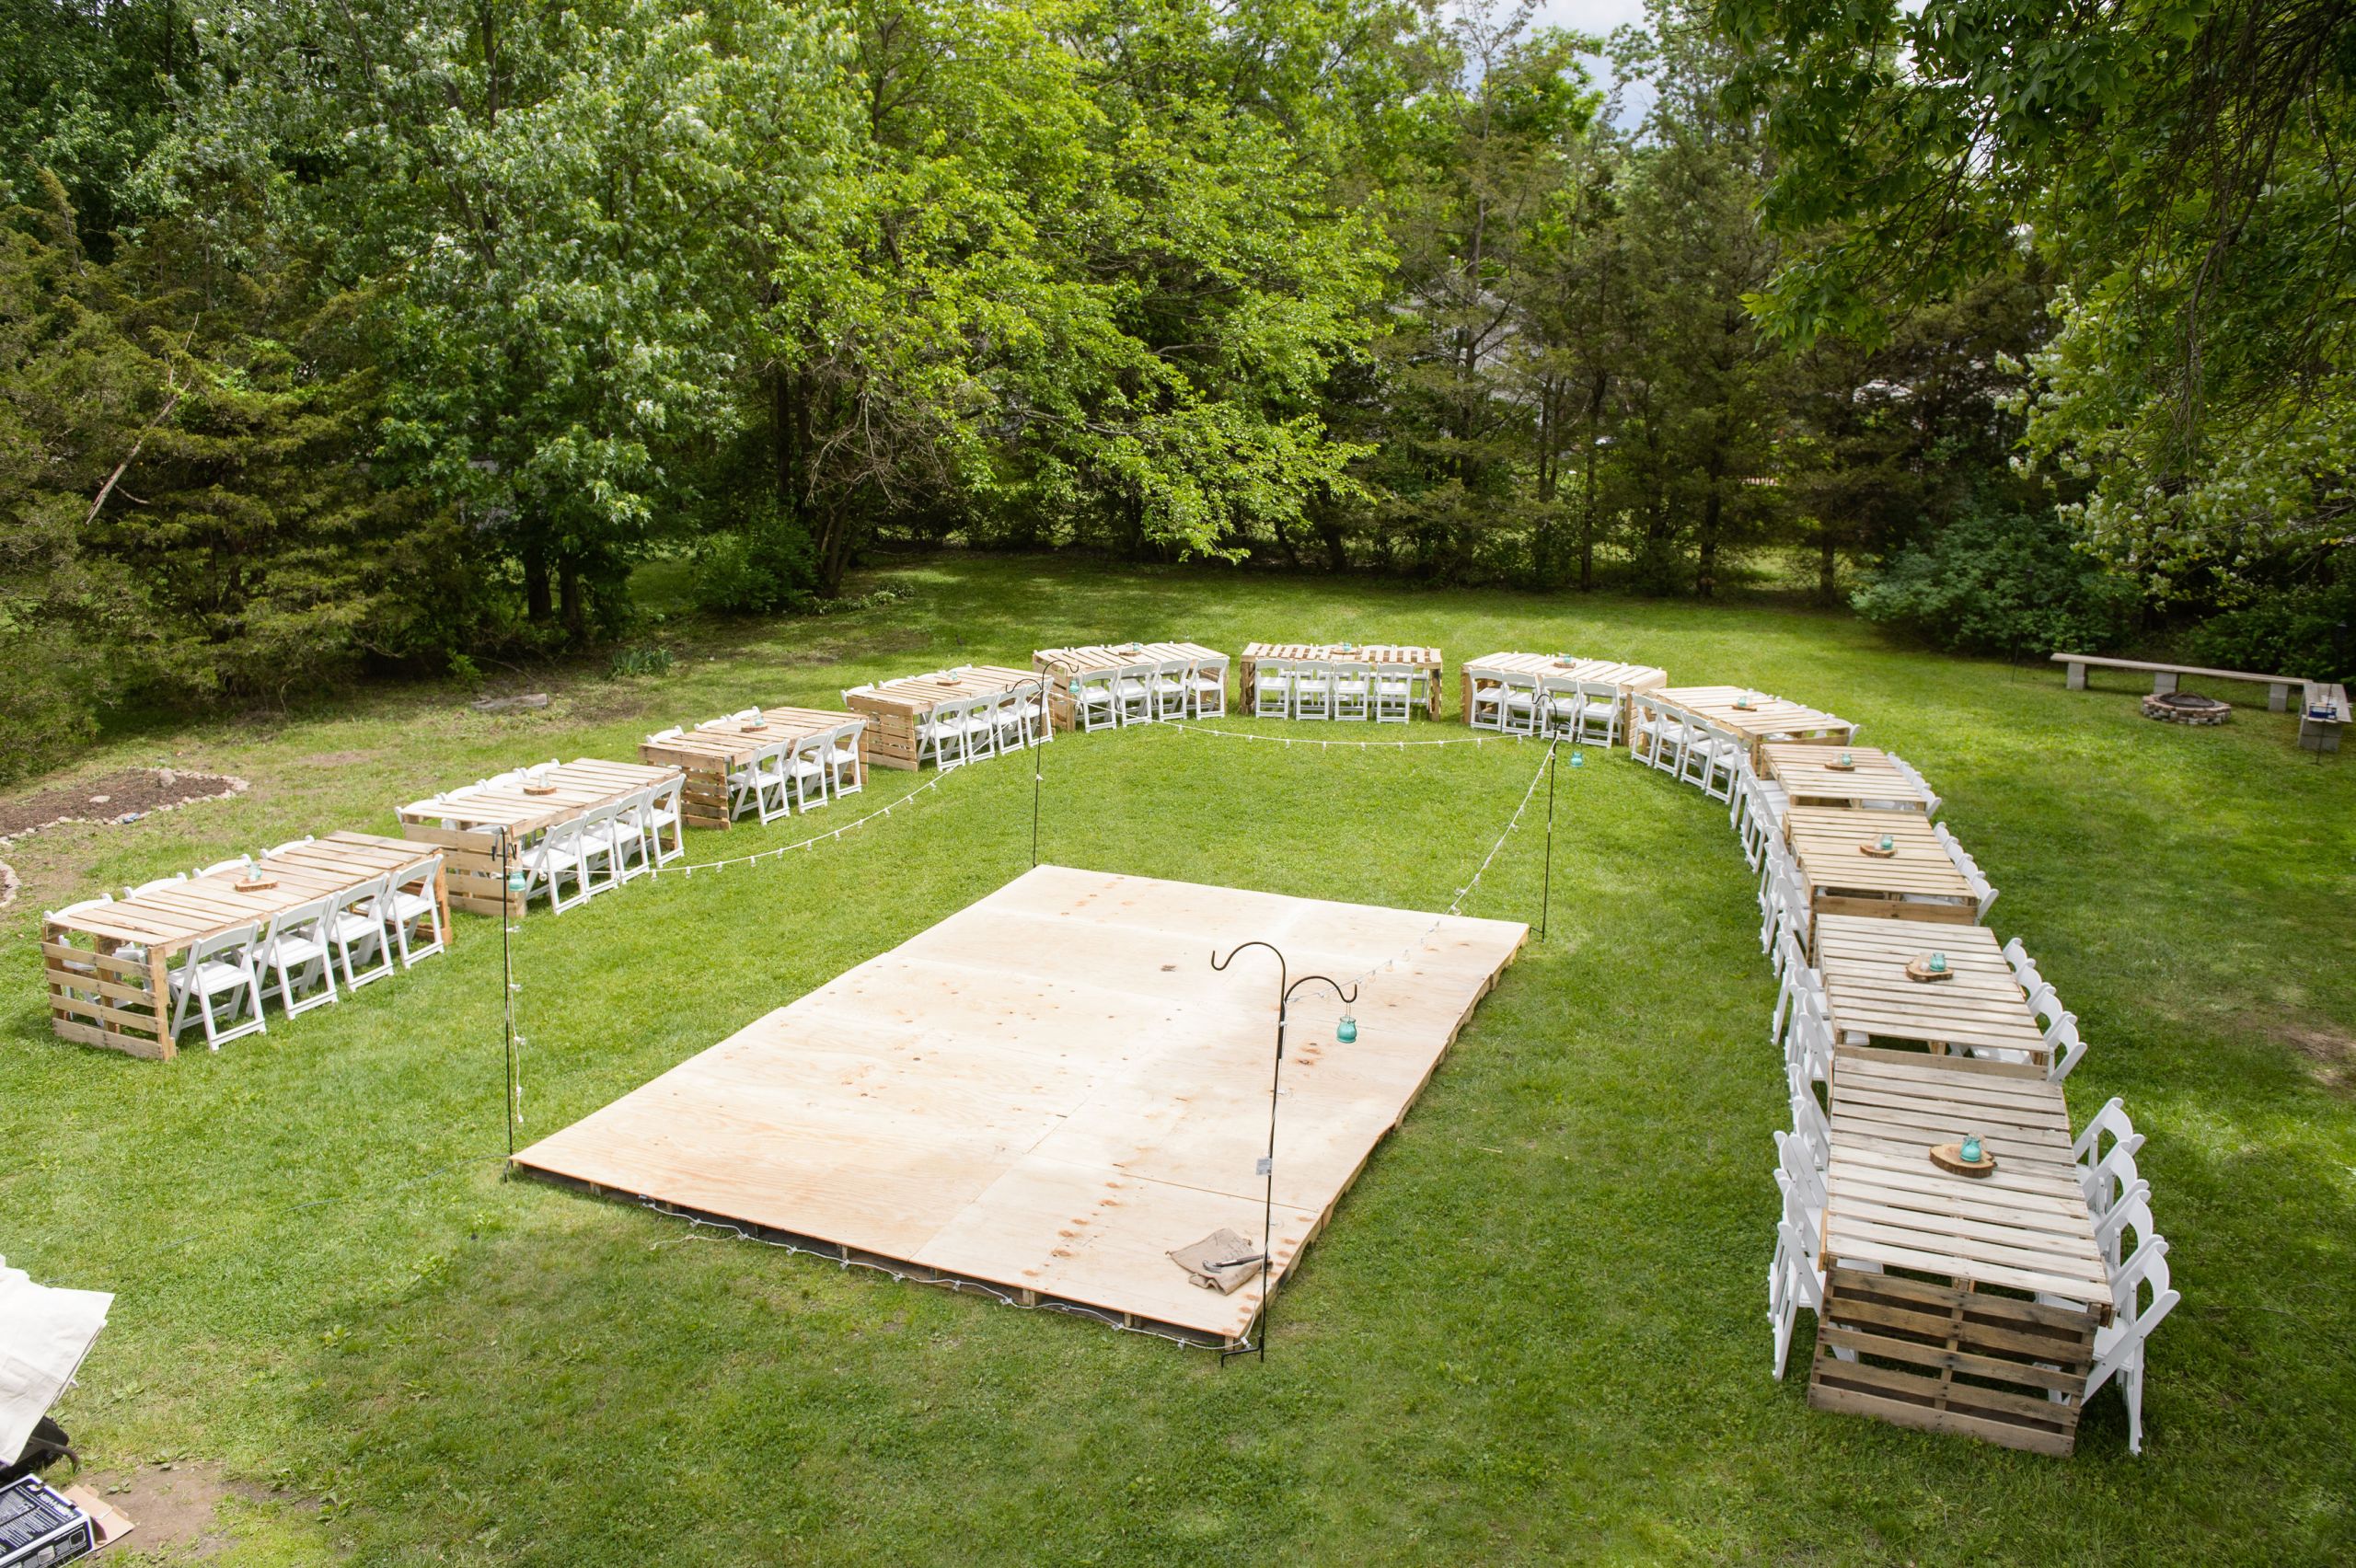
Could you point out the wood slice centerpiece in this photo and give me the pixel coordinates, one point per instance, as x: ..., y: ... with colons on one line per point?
x: 1838, y: 766
x: 1920, y: 969
x: 256, y: 884
x: 1949, y: 1157
x: 1876, y: 851
x: 539, y: 789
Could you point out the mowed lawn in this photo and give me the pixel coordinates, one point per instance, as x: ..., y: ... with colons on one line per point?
x: 1534, y: 1331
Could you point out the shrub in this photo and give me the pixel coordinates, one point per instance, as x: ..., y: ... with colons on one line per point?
x: 2305, y: 631
x: 768, y: 565
x: 2001, y: 581
x: 641, y: 662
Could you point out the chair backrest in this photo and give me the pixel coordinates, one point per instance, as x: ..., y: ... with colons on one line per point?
x: 241, y: 865
x: 1599, y: 691
x: 2114, y: 1173
x: 2131, y: 1211
x: 421, y: 872
x: 1801, y: 1245
x: 369, y: 893
x: 223, y: 946
x: 158, y: 885
x: 98, y: 903
x: 283, y: 848
x: 303, y: 920
x: 845, y: 737
x: 1792, y: 1155
x: 661, y: 736
x: 2111, y: 1119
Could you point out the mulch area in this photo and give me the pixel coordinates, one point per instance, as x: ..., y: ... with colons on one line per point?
x: 132, y: 792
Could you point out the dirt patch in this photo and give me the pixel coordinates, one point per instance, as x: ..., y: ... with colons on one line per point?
x: 2331, y: 1055
x: 113, y: 797
x: 171, y: 1507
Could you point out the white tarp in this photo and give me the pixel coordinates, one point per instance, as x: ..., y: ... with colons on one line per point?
x: 44, y: 1333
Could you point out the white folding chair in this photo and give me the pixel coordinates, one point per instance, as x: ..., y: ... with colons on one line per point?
x: 842, y: 760
x: 1517, y: 705
x: 600, y: 848
x: 628, y: 834
x: 1094, y: 705
x: 745, y: 787
x: 1272, y: 688
x: 412, y: 913
x: 218, y: 987
x: 552, y: 862
x: 1394, y: 695
x: 353, y: 932
x: 661, y: 736
x: 773, y: 798
x: 940, y: 736
x: 1169, y: 682
x: 1133, y: 693
x: 1207, y: 689
x: 1487, y: 708
x: 806, y: 766
x: 242, y: 866
x: 277, y: 849
x: 295, y: 958
x: 2068, y: 1050
x: 1907, y: 771
x: 658, y: 820
x: 2119, y: 1345
x: 981, y: 729
x: 1353, y: 692
x: 160, y: 884
x: 1312, y: 690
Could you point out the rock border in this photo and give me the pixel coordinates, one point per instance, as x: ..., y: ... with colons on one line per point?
x: 236, y: 787
x: 9, y: 884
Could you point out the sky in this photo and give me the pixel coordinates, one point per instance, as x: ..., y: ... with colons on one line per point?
x: 1599, y: 17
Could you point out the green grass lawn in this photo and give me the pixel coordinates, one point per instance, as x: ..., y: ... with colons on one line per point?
x: 1534, y: 1331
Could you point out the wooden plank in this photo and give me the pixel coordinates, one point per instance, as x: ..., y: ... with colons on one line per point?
x: 1058, y: 1053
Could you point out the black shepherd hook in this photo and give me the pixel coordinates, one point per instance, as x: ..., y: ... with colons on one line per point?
x: 1285, y: 987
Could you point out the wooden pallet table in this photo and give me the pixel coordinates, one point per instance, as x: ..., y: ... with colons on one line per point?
x: 1529, y: 667
x: 1753, y: 716
x: 1948, y: 1336
x: 1917, y: 882
x: 1810, y: 777
x: 707, y: 756
x: 1427, y: 660
x: 1981, y: 1007
x: 1060, y: 665
x: 112, y: 1000
x: 471, y: 824
x: 895, y: 708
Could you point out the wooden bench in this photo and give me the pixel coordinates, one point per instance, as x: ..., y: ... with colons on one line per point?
x: 2319, y: 732
x: 2163, y: 676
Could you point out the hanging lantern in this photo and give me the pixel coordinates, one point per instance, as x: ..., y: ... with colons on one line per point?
x: 1347, y: 1029
x: 1578, y: 759
x: 516, y: 882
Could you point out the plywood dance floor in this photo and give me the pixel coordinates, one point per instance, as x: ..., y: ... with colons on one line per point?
x: 1051, y: 1088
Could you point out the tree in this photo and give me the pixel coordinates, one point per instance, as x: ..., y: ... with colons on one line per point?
x: 2176, y: 164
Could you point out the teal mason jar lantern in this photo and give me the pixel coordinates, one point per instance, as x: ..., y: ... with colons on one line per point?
x: 1972, y: 1152
x: 1347, y: 1029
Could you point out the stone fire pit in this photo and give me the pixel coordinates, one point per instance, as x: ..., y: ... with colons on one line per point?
x: 2186, y: 707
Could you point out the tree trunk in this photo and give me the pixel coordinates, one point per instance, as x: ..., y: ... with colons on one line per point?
x: 538, y: 606
x: 1828, y: 567
x: 1713, y: 509
x: 572, y: 601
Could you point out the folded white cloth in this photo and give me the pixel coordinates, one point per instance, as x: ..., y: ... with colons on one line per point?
x: 44, y: 1333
